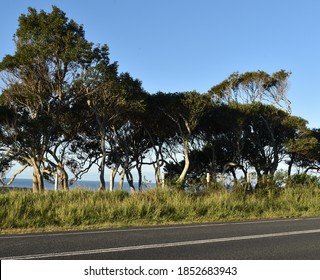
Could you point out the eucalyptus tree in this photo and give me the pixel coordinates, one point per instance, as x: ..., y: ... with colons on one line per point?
x: 221, y: 131
x: 185, y: 111
x: 131, y: 141
x: 104, y: 99
x: 303, y: 147
x: 252, y: 87
x: 51, y: 51
x: 160, y: 131
x: 111, y: 100
x: 271, y: 135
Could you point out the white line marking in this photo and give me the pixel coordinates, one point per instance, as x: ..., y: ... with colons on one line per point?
x: 161, y: 245
x: 35, y: 235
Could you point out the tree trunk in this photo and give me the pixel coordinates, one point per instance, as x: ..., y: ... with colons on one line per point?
x: 112, y: 176
x: 35, y: 185
x: 123, y: 172
x: 157, y: 165
x: 186, y: 161
x: 103, y: 160
x: 139, y: 177
x: 102, y: 186
x: 157, y: 173
x: 63, y: 179
x: 37, y: 179
x: 130, y: 181
x: 290, y: 167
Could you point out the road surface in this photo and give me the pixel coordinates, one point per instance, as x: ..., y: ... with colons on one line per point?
x: 268, y: 240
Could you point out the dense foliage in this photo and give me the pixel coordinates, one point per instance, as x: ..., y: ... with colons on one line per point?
x: 65, y: 107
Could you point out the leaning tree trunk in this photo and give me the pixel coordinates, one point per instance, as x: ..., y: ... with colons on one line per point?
x: 183, y: 175
x: 130, y: 181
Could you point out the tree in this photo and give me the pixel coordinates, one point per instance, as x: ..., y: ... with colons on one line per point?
x: 303, y: 147
x: 51, y: 52
x: 111, y: 99
x: 270, y: 133
x: 252, y: 87
x: 221, y: 131
x: 185, y: 111
x: 130, y: 143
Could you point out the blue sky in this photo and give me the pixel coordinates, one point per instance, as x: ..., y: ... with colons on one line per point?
x: 180, y: 45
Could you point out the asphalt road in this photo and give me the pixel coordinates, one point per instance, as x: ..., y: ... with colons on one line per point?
x: 268, y: 240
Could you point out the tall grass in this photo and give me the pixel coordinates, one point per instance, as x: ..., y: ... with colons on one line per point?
x: 84, y: 209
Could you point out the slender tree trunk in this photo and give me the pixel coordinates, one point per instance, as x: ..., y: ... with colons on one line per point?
x: 186, y: 161
x: 102, y: 164
x: 139, y: 177
x: 112, y: 177
x: 56, y: 181
x: 157, y: 174
x: 121, y: 179
x: 102, y: 186
x: 290, y: 167
x: 157, y: 165
x: 157, y: 170
x: 130, y: 181
x: 111, y: 186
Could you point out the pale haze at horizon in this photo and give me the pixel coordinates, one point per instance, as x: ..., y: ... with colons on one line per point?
x: 183, y: 45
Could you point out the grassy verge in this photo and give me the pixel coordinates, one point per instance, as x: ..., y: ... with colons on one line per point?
x: 79, y: 209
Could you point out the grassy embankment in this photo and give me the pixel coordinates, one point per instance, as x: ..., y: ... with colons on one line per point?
x: 78, y: 209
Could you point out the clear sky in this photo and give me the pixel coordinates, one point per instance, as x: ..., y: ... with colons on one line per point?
x: 180, y: 45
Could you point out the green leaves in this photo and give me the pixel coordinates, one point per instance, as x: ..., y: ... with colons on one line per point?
x: 251, y: 87
x: 48, y: 36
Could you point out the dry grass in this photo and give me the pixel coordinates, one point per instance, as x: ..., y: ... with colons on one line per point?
x: 79, y: 209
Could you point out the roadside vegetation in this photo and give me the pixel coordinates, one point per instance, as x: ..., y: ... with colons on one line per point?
x: 64, y: 108
x: 25, y: 211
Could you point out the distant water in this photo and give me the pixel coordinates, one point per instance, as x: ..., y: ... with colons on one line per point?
x: 84, y: 184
